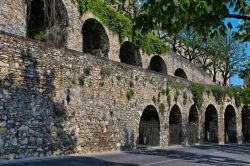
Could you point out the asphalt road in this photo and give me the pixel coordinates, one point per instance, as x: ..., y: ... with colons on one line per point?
x: 216, y: 155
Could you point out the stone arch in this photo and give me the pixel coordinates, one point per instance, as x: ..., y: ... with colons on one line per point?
x: 130, y: 54
x: 211, y: 124
x: 95, y: 38
x: 175, y: 126
x: 245, y: 117
x: 193, y: 125
x: 47, y: 21
x: 158, y: 64
x: 149, y: 127
x: 230, y: 125
x: 180, y: 73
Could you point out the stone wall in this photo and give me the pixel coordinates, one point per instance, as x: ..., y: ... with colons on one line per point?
x: 13, y: 16
x: 59, y: 101
x: 15, y: 23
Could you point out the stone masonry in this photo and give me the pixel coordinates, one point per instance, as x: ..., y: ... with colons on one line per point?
x: 59, y: 101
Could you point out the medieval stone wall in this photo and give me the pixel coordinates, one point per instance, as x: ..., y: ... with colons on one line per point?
x: 13, y: 19
x: 59, y: 101
x: 13, y: 16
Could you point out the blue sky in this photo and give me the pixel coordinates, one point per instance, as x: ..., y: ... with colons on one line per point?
x: 235, y: 80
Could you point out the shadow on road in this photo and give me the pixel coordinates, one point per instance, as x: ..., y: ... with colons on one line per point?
x: 228, y: 148
x: 191, y: 157
x: 69, y: 161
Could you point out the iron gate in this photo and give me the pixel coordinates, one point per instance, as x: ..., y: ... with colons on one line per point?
x: 192, y: 133
x: 175, y: 134
x: 149, y: 133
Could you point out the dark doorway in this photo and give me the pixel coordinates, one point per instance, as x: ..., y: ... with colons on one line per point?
x: 95, y: 38
x: 130, y: 54
x: 230, y: 125
x: 158, y: 64
x: 47, y: 21
x: 175, y: 126
x: 180, y: 73
x: 149, y: 127
x: 211, y: 125
x: 246, y: 124
x: 193, y: 126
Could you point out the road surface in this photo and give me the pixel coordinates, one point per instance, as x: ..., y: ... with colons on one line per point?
x: 202, y: 155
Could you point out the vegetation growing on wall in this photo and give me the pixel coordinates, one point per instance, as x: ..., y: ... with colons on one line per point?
x: 197, y: 90
x: 122, y: 25
x: 162, y: 109
x: 218, y: 92
x: 130, y: 94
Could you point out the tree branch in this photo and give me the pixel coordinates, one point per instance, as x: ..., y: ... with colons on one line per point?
x: 238, y: 16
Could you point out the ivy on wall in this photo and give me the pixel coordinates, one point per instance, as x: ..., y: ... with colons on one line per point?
x: 122, y: 25
x: 240, y: 94
x: 197, y: 90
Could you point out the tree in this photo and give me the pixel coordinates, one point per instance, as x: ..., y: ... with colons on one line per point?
x: 228, y: 54
x: 245, y: 70
x: 233, y: 54
x: 190, y: 45
x: 204, y: 16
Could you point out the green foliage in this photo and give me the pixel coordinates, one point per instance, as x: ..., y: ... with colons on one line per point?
x: 105, y: 72
x: 176, y: 96
x: 184, y: 97
x: 245, y: 96
x: 154, y: 99
x: 81, y: 80
x: 218, y: 92
x: 206, y: 17
x: 169, y: 100
x: 177, y: 85
x: 163, y: 91
x: 197, y: 90
x: 162, y: 109
x: 159, y: 97
x: 167, y: 91
x: 122, y: 25
x: 87, y: 70
x: 130, y: 94
x: 41, y: 36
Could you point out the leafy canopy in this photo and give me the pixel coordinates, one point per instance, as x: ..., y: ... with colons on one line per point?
x: 204, y: 16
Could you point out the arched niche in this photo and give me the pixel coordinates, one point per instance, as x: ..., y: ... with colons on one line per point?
x: 175, y: 126
x: 245, y: 117
x: 211, y: 125
x: 157, y: 64
x: 149, y: 127
x: 95, y: 38
x: 180, y: 73
x: 47, y: 21
x: 230, y: 125
x: 130, y: 54
x: 193, y: 125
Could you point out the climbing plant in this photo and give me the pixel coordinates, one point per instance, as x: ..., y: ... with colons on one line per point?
x: 122, y: 25
x: 197, y: 90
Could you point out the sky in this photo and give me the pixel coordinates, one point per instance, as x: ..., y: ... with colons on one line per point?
x: 235, y: 80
